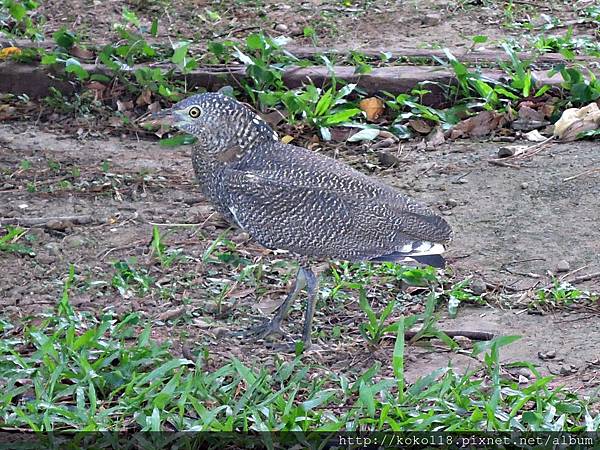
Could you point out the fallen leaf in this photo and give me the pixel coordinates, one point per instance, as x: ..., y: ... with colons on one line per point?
x: 420, y: 126
x: 373, y: 108
x: 274, y: 117
x: 268, y: 305
x: 480, y: 125
x: 154, y: 107
x: 171, y: 313
x: 287, y: 139
x: 434, y: 138
x: 535, y: 136
x: 145, y: 98
x: 7, y: 112
x: 82, y: 53
x: 529, y: 118
x: 577, y: 120
x: 367, y: 134
x: 124, y: 106
x: 527, y: 113
x: 10, y: 51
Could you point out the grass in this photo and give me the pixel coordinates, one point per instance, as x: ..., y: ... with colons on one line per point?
x: 73, y: 371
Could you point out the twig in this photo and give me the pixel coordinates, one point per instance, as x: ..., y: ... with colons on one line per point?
x: 498, y: 162
x: 473, y: 335
x: 32, y: 221
x: 587, y: 172
x: 582, y: 278
x: 176, y: 224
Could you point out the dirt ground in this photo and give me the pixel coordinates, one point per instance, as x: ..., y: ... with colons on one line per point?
x: 511, y: 227
x: 343, y: 25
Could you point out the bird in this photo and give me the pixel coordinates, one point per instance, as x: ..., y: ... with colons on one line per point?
x: 293, y: 199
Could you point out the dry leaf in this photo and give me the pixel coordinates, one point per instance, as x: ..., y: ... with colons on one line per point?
x: 535, y: 136
x: 274, y: 117
x: 435, y: 138
x: 420, y: 126
x: 124, y: 106
x: 577, y: 120
x: 82, y: 53
x: 373, y: 108
x: 154, y: 107
x: 7, y: 112
x: 145, y: 98
x: 287, y: 139
x: 480, y: 125
x: 9, y: 51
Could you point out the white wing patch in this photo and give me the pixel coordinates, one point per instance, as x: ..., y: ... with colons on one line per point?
x: 427, y: 248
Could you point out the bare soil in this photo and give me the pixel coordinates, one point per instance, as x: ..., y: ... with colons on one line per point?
x: 339, y: 25
x: 512, y: 226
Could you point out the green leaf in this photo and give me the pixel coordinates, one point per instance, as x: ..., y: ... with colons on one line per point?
x: 73, y: 66
x: 367, y: 134
x: 255, y: 41
x: 154, y: 27
x: 17, y: 10
x: 479, y: 39
x: 341, y: 116
x: 499, y: 341
x: 398, y: 359
x: 366, y: 396
x: 180, y: 50
x: 161, y: 371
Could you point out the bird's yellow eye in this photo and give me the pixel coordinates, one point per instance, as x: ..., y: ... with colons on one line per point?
x: 194, y: 112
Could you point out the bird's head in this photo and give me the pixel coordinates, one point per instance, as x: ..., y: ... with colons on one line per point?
x: 217, y: 121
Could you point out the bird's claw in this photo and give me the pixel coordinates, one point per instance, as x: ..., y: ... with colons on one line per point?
x: 266, y: 329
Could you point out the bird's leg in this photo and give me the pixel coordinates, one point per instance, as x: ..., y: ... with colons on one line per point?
x: 273, y: 326
x: 311, y: 302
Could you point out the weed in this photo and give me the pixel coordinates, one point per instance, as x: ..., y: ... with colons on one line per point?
x: 165, y: 255
x: 16, y: 19
x: 9, y: 241
x: 129, y: 280
x: 561, y: 293
x: 72, y: 371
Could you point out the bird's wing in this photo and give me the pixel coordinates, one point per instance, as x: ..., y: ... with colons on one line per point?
x: 326, y: 209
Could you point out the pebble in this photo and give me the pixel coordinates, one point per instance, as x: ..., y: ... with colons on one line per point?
x: 478, y: 287
x: 551, y: 354
x: 387, y: 159
x: 563, y: 266
x: 281, y: 27
x: 524, y: 372
x: 451, y: 202
x: 524, y: 185
x: 53, y: 248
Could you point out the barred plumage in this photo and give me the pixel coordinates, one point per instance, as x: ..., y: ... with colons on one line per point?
x: 290, y: 198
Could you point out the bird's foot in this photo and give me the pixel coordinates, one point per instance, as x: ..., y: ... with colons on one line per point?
x: 267, y: 329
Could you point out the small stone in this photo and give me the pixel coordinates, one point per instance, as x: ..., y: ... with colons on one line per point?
x: 563, y: 266
x: 281, y: 27
x: 53, y: 249
x: 58, y: 225
x: 478, y: 287
x: 387, y: 159
x: 554, y: 369
x: 523, y: 380
x: 463, y: 341
x: 547, y: 355
x: 524, y: 372
x: 451, y: 203
x: 220, y: 332
x: 524, y: 185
